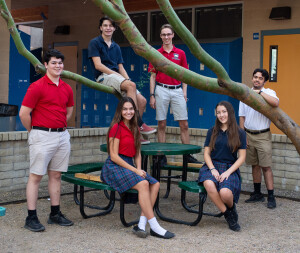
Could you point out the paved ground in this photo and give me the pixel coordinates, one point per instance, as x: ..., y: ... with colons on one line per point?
x: 263, y: 230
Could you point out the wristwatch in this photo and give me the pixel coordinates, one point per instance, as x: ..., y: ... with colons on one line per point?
x: 152, y: 94
x: 260, y: 91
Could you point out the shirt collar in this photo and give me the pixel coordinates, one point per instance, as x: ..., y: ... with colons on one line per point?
x: 173, y: 49
x: 50, y: 82
x: 102, y: 41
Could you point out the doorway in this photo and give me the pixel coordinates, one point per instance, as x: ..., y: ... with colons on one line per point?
x: 285, y: 68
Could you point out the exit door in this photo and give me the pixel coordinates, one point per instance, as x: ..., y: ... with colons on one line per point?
x: 285, y: 71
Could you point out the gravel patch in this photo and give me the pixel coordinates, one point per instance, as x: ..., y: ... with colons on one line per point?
x: 263, y: 230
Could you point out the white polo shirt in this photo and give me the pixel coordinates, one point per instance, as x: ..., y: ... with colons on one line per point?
x: 254, y: 120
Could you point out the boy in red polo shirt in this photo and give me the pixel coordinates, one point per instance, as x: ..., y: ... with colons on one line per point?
x: 46, y: 108
x: 170, y: 91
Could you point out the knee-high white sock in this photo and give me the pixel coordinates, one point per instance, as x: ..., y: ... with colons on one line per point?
x: 142, y: 222
x: 156, y: 227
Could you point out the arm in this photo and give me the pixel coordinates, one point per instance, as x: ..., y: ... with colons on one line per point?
x: 122, y: 71
x: 152, y: 87
x: 210, y: 164
x: 101, y: 67
x: 138, y: 160
x: 269, y: 99
x: 114, y: 155
x: 25, y: 117
x: 242, y: 122
x: 235, y: 166
x: 69, y: 112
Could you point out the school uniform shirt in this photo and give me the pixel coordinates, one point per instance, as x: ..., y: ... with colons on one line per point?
x: 254, y: 120
x: 177, y: 56
x: 123, y: 133
x: 222, y: 152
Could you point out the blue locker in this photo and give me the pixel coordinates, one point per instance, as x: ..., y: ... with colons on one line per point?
x: 19, y: 76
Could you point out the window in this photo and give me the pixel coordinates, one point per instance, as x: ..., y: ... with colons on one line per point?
x: 158, y: 19
x: 273, y: 63
x: 140, y: 21
x: 219, y: 21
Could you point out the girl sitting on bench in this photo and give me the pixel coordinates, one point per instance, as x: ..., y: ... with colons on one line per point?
x: 122, y: 169
x: 224, y: 153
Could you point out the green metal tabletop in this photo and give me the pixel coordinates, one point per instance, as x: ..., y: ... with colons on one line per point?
x: 156, y: 148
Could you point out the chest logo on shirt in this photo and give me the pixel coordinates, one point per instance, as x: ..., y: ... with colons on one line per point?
x: 175, y: 56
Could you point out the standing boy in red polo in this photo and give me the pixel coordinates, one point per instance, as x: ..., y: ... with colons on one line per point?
x: 46, y: 108
x: 170, y: 91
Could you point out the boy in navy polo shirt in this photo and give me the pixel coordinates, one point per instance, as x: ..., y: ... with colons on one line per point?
x: 107, y: 62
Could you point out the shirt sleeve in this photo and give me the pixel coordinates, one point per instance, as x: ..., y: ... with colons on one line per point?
x: 32, y: 96
x: 184, y: 61
x: 115, y: 131
x: 208, y: 136
x: 243, y: 139
x: 242, y: 109
x: 270, y: 92
x: 70, y: 102
x: 93, y: 49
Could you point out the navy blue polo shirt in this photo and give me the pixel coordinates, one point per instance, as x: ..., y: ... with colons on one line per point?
x: 222, y: 152
x: 110, y: 56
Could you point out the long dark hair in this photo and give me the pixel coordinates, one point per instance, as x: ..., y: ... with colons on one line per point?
x: 133, y: 125
x: 232, y: 128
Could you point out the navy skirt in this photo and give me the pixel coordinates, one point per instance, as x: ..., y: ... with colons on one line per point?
x: 233, y: 182
x: 122, y: 179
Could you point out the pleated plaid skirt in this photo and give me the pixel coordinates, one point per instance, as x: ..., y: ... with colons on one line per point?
x: 119, y: 178
x: 233, y: 182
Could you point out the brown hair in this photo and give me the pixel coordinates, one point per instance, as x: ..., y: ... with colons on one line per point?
x: 133, y: 125
x: 232, y: 128
x: 167, y: 26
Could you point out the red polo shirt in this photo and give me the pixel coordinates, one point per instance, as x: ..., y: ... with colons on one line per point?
x: 122, y: 132
x: 49, y: 102
x: 177, y: 56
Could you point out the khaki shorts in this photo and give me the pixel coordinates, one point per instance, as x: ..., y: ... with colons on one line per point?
x: 48, y: 151
x: 173, y: 97
x: 115, y: 81
x: 259, y: 150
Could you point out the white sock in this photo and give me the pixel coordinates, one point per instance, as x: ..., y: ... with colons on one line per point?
x: 142, y: 222
x: 156, y: 227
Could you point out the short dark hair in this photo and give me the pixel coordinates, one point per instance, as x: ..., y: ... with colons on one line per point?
x: 263, y: 72
x: 53, y: 53
x: 167, y: 26
x: 106, y: 18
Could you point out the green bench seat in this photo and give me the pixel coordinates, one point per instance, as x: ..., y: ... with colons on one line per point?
x: 171, y: 168
x: 70, y: 178
x: 192, y: 186
x: 85, y: 167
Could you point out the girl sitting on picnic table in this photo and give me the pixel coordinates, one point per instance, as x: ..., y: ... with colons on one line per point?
x: 220, y: 174
x: 122, y: 169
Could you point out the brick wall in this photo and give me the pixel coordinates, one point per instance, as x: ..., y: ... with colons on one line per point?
x: 14, y: 156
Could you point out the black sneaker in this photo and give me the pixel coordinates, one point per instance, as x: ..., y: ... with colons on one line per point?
x: 230, y: 217
x: 192, y: 159
x: 59, y: 219
x: 234, y: 213
x: 255, y: 197
x: 139, y: 232
x: 271, y: 202
x: 32, y: 223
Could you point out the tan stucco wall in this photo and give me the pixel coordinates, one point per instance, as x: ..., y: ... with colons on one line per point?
x: 4, y: 58
x: 256, y: 19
